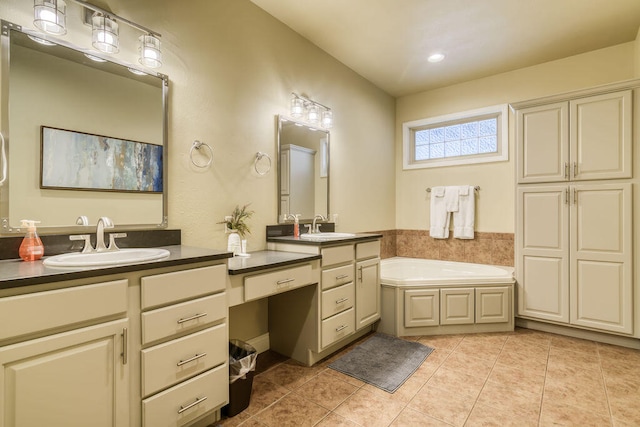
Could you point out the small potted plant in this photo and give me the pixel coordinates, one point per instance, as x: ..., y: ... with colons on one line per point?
x: 236, y: 225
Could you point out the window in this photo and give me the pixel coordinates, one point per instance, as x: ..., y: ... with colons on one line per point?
x: 477, y: 136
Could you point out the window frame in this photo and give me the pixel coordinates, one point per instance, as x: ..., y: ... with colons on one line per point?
x: 409, y: 128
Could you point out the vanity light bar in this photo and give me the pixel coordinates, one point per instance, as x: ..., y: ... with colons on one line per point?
x: 316, y: 113
x: 114, y: 16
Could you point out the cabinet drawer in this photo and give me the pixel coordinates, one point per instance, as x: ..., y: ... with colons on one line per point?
x: 337, y: 255
x: 171, y: 407
x: 368, y: 250
x: 337, y: 327
x: 182, y: 285
x: 338, y: 299
x: 178, y: 318
x: 263, y: 285
x: 40, y: 311
x: 337, y: 276
x: 167, y: 364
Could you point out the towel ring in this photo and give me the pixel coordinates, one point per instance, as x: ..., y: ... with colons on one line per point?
x: 259, y: 156
x: 197, y: 145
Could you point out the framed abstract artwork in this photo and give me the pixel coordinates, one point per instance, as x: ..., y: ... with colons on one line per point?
x: 71, y: 160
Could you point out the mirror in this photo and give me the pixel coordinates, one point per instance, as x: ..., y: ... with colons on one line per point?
x: 303, y: 170
x: 58, y: 86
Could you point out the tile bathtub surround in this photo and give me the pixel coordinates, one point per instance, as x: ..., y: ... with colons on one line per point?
x: 521, y: 378
x: 486, y: 248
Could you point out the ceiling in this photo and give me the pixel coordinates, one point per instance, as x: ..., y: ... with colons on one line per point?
x: 388, y: 41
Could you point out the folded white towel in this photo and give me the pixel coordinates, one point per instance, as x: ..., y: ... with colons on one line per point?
x: 443, y: 201
x: 438, y: 191
x: 464, y: 218
x: 463, y: 190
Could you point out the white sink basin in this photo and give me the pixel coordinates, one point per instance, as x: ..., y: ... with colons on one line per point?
x: 97, y: 259
x: 326, y: 236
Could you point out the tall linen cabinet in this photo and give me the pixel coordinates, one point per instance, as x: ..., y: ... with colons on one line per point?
x: 576, y: 201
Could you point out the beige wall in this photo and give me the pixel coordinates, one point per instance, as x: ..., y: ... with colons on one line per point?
x: 637, y: 55
x: 232, y: 68
x: 495, y: 203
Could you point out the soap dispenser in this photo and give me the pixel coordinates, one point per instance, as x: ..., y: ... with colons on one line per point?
x: 296, y: 225
x: 31, y: 248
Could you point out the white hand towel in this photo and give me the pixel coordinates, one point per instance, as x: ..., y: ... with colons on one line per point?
x: 451, y: 198
x: 464, y: 218
x: 439, y: 227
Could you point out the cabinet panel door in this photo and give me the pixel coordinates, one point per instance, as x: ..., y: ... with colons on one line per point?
x: 600, y: 136
x: 542, y: 143
x: 421, y: 308
x: 367, y: 292
x: 601, y: 248
x: 457, y: 306
x: 542, y: 252
x: 73, y: 379
x: 492, y: 305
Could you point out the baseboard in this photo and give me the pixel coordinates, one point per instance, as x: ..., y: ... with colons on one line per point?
x: 260, y: 343
x: 579, y: 333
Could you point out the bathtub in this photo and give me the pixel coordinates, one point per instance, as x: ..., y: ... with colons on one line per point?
x: 431, y: 297
x: 410, y: 272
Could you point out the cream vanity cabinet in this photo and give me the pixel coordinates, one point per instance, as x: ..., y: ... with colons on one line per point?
x: 587, y: 138
x: 575, y: 208
x: 64, y: 356
x: 146, y: 347
x: 184, y: 368
x: 316, y: 321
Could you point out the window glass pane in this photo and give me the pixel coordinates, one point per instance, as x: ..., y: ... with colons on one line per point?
x: 437, y: 151
x: 451, y: 133
x: 422, y: 137
x: 469, y: 130
x: 437, y: 135
x: 422, y: 152
x: 469, y: 146
x: 488, y: 144
x: 452, y: 148
x: 488, y: 127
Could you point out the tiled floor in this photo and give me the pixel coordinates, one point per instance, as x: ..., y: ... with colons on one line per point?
x: 525, y: 378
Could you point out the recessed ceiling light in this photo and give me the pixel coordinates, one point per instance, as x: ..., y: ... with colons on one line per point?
x: 436, y: 57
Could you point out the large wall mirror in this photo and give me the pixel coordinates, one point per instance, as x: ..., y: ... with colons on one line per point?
x: 59, y: 86
x: 303, y: 170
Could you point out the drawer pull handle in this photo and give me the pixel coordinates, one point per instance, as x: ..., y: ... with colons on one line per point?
x: 341, y: 300
x: 191, y: 405
x: 575, y: 169
x: 342, y: 276
x: 194, y: 317
x: 339, y: 328
x: 191, y: 359
x: 283, y: 281
x: 125, y: 345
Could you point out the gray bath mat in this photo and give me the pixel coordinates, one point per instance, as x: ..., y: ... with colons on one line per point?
x: 383, y: 361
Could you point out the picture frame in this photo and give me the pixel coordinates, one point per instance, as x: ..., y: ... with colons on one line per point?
x: 72, y: 160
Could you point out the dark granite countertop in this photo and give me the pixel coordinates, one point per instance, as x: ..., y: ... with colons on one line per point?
x: 262, y: 260
x: 359, y: 237
x: 16, y: 273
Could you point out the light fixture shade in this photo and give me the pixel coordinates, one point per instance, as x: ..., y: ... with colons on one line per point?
x: 149, y: 48
x: 327, y: 119
x: 50, y: 16
x: 313, y: 114
x: 105, y: 33
x: 297, y: 107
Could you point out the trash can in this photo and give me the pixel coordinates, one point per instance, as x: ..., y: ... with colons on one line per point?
x: 242, y: 366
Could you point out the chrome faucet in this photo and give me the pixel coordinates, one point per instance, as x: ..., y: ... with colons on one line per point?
x: 87, y: 248
x: 103, y: 222
x: 315, y: 228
